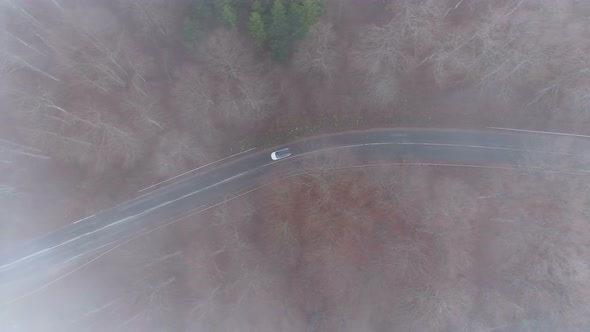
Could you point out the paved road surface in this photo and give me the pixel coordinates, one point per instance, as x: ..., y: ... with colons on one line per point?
x: 404, y: 145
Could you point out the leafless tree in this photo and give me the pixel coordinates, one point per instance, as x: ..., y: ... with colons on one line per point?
x: 383, y: 90
x: 9, y: 150
x: 284, y: 241
x: 34, y: 100
x: 510, y: 53
x: 154, y: 17
x: 252, y: 101
x: 393, y: 47
x: 223, y: 263
x: 112, y: 140
x: 383, y: 178
x: 145, y: 271
x: 252, y: 307
x: 145, y: 107
x: 493, y: 309
x: 449, y: 220
x: 381, y: 59
x: 152, y: 299
x: 90, y: 135
x: 452, y: 59
x: 22, y: 44
x: 193, y: 95
x: 576, y: 103
x: 381, y: 49
x: 435, y: 308
x: 227, y: 56
x: 173, y: 151
x: 320, y: 182
x: 317, y: 54
x: 499, y: 49
x: 257, y: 96
x: 544, y: 263
x: 321, y: 175
x: 420, y: 22
x: 97, y: 49
x: 406, y: 257
x: 45, y: 122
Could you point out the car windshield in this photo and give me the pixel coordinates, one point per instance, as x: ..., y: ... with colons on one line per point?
x: 282, y: 153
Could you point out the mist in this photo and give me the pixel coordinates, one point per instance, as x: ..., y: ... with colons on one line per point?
x: 438, y: 179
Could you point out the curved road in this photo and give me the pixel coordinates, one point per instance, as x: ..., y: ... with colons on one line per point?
x: 402, y: 145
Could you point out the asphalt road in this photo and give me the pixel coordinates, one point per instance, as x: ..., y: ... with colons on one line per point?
x: 501, y: 148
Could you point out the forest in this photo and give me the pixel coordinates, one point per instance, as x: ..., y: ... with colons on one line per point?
x: 100, y: 99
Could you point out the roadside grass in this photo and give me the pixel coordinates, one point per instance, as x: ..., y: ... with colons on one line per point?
x: 296, y: 128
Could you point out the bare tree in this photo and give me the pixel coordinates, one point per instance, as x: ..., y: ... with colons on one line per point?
x: 257, y: 96
x: 113, y: 142
x: 493, y: 309
x: 548, y: 269
x: 253, y: 305
x: 449, y: 224
x: 450, y: 61
x: 92, y: 135
x: 383, y: 90
x: 227, y: 56
x: 145, y: 107
x: 34, y: 100
x: 393, y: 47
x: 45, y: 122
x: 421, y: 22
x: 382, y: 61
x: 317, y: 54
x: 407, y: 257
x: 381, y: 49
x: 435, y: 308
x: 174, y: 151
x: 22, y: 44
x: 97, y: 49
x: 144, y: 271
x: 252, y: 101
x: 510, y: 52
x: 154, y: 17
x: 9, y: 150
x: 382, y: 178
x: 193, y: 95
x: 284, y: 241
x: 542, y: 252
x: 321, y: 177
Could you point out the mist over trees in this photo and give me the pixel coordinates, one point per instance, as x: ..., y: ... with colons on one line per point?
x: 101, y: 99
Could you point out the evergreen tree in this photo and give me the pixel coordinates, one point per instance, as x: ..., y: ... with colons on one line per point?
x: 257, y: 29
x: 307, y: 13
x: 257, y: 7
x: 228, y: 15
x: 280, y: 40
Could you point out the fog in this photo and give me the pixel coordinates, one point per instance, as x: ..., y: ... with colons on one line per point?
x: 105, y: 101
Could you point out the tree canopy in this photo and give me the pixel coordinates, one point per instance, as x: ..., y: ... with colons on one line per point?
x: 273, y: 24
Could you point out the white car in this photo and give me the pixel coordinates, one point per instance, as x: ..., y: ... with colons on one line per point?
x: 280, y: 154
